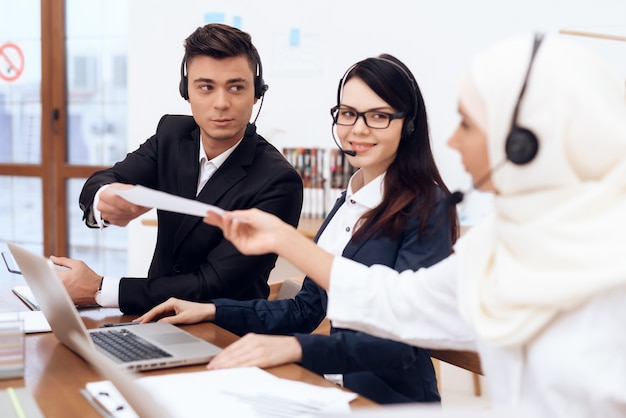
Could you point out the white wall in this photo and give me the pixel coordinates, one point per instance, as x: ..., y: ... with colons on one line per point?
x: 434, y: 38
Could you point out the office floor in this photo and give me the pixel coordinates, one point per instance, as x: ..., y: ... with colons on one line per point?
x: 457, y: 388
x: 457, y: 385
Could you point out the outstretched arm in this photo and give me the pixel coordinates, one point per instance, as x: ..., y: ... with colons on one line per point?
x: 255, y: 232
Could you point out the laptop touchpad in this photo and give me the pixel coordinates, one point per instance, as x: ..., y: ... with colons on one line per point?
x: 174, y: 338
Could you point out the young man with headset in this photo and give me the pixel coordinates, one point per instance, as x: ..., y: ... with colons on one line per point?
x: 215, y: 157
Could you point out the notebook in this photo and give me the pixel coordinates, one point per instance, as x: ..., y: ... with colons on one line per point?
x: 175, y: 347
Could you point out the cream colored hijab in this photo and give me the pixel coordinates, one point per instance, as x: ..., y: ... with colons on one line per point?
x: 558, y: 236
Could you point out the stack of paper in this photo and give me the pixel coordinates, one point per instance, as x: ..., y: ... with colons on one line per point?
x: 11, y: 346
x: 32, y: 321
x: 242, y: 392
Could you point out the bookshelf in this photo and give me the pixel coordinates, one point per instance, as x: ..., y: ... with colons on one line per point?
x: 325, y: 174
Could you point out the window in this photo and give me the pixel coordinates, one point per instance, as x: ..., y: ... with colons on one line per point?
x: 60, y: 120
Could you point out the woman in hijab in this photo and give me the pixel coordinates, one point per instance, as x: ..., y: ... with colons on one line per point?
x: 539, y: 289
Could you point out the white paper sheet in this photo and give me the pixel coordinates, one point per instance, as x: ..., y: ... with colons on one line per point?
x: 150, y: 198
x: 33, y: 321
x: 242, y: 392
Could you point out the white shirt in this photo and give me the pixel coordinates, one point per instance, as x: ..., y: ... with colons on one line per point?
x: 108, y: 297
x: 209, y: 167
x: 340, y: 228
x: 575, y: 368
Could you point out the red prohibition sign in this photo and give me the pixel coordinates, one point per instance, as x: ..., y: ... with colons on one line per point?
x: 11, y: 61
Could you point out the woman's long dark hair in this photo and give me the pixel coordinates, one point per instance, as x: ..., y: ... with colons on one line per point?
x: 412, y: 180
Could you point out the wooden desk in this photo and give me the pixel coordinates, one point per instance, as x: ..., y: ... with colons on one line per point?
x: 309, y: 226
x: 55, y: 375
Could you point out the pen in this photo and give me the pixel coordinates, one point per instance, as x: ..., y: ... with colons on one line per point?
x: 17, y: 407
x: 119, y: 324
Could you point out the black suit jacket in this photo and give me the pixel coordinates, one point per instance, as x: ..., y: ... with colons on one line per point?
x: 192, y: 260
x: 384, y: 371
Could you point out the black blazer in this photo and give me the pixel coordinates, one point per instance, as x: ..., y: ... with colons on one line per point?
x: 382, y: 370
x: 192, y: 260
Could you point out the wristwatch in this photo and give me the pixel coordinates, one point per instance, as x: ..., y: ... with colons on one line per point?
x: 98, y: 295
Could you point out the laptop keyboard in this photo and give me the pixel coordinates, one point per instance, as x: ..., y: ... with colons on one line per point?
x: 126, y: 346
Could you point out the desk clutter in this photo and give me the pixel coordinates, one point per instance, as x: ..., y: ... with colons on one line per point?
x: 18, y: 403
x: 242, y: 392
x: 325, y: 174
x: 32, y: 321
x: 11, y: 345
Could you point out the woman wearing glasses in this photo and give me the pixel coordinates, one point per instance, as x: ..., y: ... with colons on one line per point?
x: 394, y: 212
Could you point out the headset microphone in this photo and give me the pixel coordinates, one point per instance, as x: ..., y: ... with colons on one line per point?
x: 521, y: 145
x: 344, y: 151
x: 458, y: 196
x: 348, y: 152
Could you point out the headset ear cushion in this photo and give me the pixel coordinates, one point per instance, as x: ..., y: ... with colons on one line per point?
x: 182, y: 88
x: 521, y: 146
x: 409, y: 128
x: 260, y: 87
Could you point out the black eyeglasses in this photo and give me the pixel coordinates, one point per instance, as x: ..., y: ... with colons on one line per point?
x: 374, y: 119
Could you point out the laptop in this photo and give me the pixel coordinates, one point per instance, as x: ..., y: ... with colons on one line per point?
x: 161, y: 345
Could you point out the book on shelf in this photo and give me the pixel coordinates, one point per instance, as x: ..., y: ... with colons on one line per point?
x: 325, y: 174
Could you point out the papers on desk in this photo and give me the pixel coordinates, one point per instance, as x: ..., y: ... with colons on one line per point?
x: 150, y: 198
x: 242, y: 392
x: 417, y: 410
x: 32, y: 321
x: 18, y: 403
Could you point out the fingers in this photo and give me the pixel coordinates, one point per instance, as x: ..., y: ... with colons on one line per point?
x: 115, y: 209
x: 228, y: 218
x: 255, y: 350
x: 225, y: 222
x: 214, y: 219
x: 69, y: 263
x: 184, y: 312
x: 158, y: 311
x: 65, y: 262
x: 242, y: 353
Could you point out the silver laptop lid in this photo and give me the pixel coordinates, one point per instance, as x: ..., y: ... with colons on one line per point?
x: 53, y: 299
x: 64, y: 319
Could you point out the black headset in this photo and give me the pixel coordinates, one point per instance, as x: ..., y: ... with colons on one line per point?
x: 259, y: 84
x: 521, y: 144
x: 409, y: 123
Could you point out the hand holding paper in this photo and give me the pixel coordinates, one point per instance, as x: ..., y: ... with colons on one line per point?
x: 144, y: 196
x: 113, y: 209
